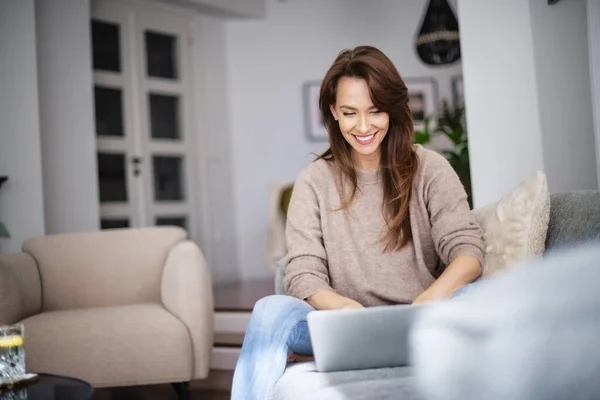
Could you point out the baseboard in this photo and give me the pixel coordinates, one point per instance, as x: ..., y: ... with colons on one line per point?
x: 224, y: 358
x: 231, y: 322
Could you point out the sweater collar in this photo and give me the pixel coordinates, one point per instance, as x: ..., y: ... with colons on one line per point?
x: 367, y: 176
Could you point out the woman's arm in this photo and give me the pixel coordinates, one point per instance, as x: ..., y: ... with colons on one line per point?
x: 330, y: 300
x: 306, y: 272
x: 456, y: 234
x: 462, y: 271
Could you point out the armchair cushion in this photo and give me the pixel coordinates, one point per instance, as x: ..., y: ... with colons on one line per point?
x: 110, y: 346
x: 102, y: 268
x: 12, y: 304
x: 20, y: 290
x: 187, y: 293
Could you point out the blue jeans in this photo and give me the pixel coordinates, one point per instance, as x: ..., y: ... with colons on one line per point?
x: 277, y: 325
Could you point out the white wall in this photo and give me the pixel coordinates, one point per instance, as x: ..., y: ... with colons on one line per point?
x: 503, y: 120
x: 242, y: 8
x: 593, y: 25
x: 67, y: 116
x: 214, y: 148
x: 225, y: 8
x: 267, y: 63
x: 21, y: 201
x: 527, y: 95
x: 560, y: 45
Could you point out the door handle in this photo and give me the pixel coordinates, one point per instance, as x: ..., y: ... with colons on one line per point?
x: 136, y: 162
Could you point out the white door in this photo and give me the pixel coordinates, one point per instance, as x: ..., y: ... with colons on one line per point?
x: 142, y: 76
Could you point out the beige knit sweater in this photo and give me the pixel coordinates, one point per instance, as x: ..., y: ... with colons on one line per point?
x: 342, y: 250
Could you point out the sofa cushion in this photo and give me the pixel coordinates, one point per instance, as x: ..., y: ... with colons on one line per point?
x: 532, y: 333
x: 302, y: 382
x: 515, y: 227
x: 110, y: 346
x: 574, y: 219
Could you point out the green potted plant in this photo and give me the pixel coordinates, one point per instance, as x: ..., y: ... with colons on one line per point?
x: 3, y: 231
x: 450, y: 122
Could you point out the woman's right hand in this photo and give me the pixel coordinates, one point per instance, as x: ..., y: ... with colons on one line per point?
x: 330, y: 300
x: 352, y: 305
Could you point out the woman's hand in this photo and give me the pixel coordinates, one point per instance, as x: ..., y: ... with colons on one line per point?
x: 330, y: 300
x: 462, y: 271
x: 352, y: 305
x: 430, y: 295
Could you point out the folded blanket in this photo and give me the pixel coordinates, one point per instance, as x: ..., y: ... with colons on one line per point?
x: 532, y: 333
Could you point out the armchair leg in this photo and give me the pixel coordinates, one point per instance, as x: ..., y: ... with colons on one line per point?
x: 182, y: 390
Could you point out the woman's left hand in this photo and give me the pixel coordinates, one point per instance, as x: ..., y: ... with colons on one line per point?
x: 462, y: 271
x: 431, y: 295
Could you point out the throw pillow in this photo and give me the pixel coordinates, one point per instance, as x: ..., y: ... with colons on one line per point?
x: 515, y: 227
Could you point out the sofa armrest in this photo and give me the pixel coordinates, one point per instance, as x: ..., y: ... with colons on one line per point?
x: 20, y: 288
x: 186, y: 292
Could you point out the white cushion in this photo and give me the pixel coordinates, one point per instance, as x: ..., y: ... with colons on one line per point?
x: 515, y: 227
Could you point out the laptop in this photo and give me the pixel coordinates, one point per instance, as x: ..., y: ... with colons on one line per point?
x: 375, y: 337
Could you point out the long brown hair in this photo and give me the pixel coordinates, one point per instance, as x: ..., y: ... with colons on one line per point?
x: 398, y: 162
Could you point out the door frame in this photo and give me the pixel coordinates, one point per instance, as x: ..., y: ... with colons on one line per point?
x: 199, y: 221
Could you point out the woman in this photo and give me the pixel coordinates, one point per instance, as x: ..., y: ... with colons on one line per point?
x: 368, y: 222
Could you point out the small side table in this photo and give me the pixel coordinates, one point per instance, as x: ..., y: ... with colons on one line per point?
x: 51, y: 387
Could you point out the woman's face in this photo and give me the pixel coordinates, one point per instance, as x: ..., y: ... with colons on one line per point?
x: 361, y: 123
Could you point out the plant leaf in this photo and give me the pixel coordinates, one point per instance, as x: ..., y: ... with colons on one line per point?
x: 3, y: 231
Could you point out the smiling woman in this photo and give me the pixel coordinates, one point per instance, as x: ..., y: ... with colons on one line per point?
x: 364, y: 103
x: 369, y: 222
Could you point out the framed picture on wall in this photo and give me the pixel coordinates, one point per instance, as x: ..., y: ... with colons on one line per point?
x: 314, y: 125
x: 423, y: 98
x: 458, y: 94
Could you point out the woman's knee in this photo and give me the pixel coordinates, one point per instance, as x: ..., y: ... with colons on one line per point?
x: 276, y: 303
x: 276, y: 308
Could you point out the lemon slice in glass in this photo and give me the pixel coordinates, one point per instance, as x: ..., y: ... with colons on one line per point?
x: 11, y: 341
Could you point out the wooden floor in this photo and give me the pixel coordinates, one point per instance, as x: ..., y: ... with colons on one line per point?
x: 158, y: 392
x: 216, y: 387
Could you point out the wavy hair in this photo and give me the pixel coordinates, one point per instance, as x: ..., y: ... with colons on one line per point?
x: 398, y: 163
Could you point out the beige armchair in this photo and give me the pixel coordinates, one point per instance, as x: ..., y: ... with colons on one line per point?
x: 115, y: 308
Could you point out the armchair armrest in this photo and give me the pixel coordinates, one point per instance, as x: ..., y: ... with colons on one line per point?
x: 20, y: 288
x: 186, y: 292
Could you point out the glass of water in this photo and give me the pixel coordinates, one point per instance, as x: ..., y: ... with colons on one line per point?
x: 12, y: 353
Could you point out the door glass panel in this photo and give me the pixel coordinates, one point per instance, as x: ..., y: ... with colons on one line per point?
x: 164, y: 116
x: 112, y: 178
x: 161, y: 55
x: 168, y: 178
x: 114, y: 223
x: 171, y: 221
x: 108, y: 106
x: 106, y: 51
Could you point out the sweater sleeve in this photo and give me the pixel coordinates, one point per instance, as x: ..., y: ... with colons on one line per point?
x: 454, y: 228
x: 306, y: 270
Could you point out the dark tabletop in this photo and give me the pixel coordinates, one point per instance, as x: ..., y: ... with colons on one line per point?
x: 51, y: 387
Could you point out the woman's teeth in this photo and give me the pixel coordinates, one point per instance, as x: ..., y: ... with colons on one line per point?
x: 365, y: 138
